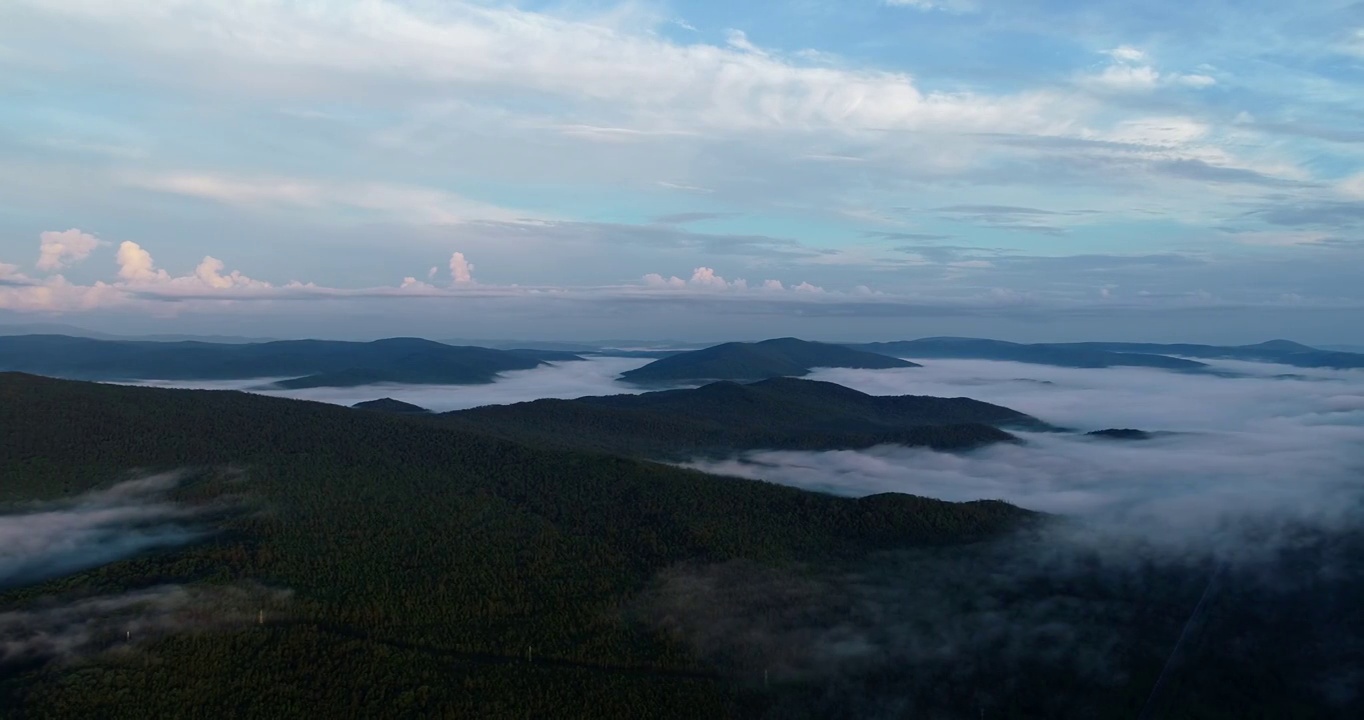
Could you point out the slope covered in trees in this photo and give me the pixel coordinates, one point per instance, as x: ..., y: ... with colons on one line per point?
x: 725, y: 417
x: 390, y: 405
x: 424, y: 561
x: 781, y: 357
x: 310, y: 363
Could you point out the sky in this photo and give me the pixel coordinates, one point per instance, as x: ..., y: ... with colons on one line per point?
x: 852, y: 170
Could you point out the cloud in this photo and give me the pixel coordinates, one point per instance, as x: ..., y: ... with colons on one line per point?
x: 209, y: 272
x: 55, y: 539
x: 1127, y: 53
x: 1267, y: 447
x: 1254, y: 502
x: 1132, y: 71
x: 461, y: 270
x: 593, y: 376
x: 59, y: 249
x: 472, y: 46
x: 136, y: 265
x: 408, y: 202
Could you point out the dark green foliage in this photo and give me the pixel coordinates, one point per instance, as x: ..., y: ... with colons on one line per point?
x: 425, y: 559
x: 725, y: 417
x: 756, y: 361
x: 1062, y: 355
x: 314, y: 363
x: 390, y: 405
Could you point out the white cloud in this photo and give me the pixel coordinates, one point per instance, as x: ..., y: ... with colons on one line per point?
x: 738, y: 40
x: 406, y: 202
x: 1132, y: 71
x: 1353, y: 186
x: 276, y: 47
x: 136, y: 265
x: 461, y: 270
x: 59, y: 249
x: 808, y: 288
x: 1195, y: 81
x: 656, y: 280
x: 209, y: 272
x: 773, y: 285
x: 1127, y: 53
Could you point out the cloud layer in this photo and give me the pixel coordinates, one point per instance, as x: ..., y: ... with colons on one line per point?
x: 1255, y: 453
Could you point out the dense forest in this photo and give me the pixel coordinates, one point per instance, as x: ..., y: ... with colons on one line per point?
x: 423, y: 561
x: 780, y: 357
x: 349, y: 563
x: 305, y: 363
x: 726, y: 417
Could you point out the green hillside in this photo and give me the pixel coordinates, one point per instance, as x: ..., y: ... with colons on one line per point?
x: 726, y: 417
x: 782, y: 357
x: 309, y: 363
x: 424, y: 560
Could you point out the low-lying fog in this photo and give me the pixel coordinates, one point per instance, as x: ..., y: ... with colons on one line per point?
x: 593, y: 376
x: 1269, y: 443
x: 45, y: 540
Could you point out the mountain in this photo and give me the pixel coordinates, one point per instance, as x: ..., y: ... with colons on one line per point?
x: 419, y: 569
x: 756, y: 361
x: 74, y: 331
x: 309, y: 363
x: 389, y: 405
x: 1121, y: 434
x: 727, y: 417
x: 1039, y: 354
x: 1284, y: 352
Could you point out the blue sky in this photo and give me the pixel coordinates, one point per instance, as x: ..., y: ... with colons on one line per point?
x: 1025, y: 169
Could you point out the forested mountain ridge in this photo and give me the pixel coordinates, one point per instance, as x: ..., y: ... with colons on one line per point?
x: 309, y: 363
x: 727, y: 417
x: 1059, y: 355
x: 423, y: 559
x: 1285, y: 352
x: 780, y: 357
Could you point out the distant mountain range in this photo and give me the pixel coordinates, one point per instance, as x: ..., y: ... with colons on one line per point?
x: 781, y: 357
x: 1115, y: 354
x: 1042, y: 354
x: 308, y: 363
x: 726, y: 417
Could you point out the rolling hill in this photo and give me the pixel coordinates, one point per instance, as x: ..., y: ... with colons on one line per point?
x: 782, y: 357
x: 726, y: 417
x: 390, y: 405
x: 430, y: 570
x: 307, y: 363
x: 1038, y: 354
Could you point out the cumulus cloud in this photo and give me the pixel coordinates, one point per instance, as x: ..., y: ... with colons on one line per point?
x: 461, y: 270
x: 136, y: 265
x: 1132, y: 71
x: 209, y: 272
x: 59, y: 249
x: 656, y: 280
